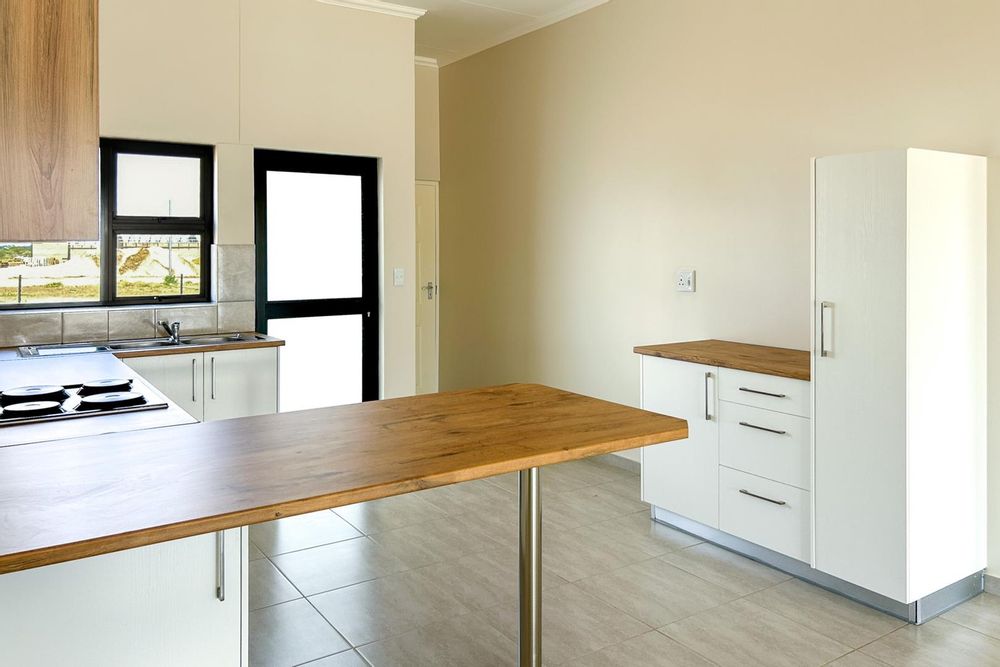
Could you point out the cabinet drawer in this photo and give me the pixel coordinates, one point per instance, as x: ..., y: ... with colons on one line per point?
x: 764, y: 391
x: 765, y: 443
x: 780, y: 523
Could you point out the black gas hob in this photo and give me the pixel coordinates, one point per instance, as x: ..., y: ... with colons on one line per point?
x: 39, y: 403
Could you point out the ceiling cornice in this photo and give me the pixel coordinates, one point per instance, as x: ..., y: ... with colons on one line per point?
x: 379, y: 7
x: 425, y: 61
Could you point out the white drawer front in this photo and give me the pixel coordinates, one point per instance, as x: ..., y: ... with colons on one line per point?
x: 778, y: 519
x: 764, y: 391
x: 766, y: 443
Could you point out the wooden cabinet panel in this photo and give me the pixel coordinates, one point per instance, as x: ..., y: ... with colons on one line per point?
x: 48, y: 120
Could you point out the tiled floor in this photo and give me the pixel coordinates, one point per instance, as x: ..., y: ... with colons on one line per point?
x: 430, y: 578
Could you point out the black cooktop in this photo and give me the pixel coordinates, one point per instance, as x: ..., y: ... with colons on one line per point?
x: 37, y: 403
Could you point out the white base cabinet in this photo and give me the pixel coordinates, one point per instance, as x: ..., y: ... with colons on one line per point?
x: 149, y: 606
x: 746, y: 467
x: 215, y: 385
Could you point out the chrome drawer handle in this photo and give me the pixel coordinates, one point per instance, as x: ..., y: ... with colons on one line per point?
x: 763, y: 393
x: 764, y: 428
x: 754, y: 495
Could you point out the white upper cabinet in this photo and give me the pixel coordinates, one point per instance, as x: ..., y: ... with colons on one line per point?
x: 899, y: 369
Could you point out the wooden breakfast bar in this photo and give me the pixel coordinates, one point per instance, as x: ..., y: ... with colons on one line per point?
x: 72, y: 499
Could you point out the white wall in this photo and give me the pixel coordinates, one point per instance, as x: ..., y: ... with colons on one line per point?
x: 295, y: 74
x: 584, y: 163
x: 428, y: 142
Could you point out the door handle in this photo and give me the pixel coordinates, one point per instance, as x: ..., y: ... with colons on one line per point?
x: 708, y: 414
x: 763, y: 428
x: 193, y: 399
x: 823, y: 305
x: 213, y: 377
x: 765, y: 498
x: 430, y: 289
x: 220, y: 565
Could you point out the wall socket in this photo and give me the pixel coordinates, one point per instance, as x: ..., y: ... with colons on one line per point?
x: 397, y: 277
x: 684, y: 280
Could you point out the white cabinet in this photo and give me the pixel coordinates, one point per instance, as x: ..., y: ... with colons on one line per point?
x: 683, y: 476
x: 215, y: 385
x: 154, y: 605
x: 899, y: 369
x: 241, y: 383
x: 178, y: 376
x: 746, y: 468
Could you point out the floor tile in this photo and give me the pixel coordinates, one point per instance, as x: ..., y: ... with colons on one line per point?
x: 378, y: 516
x: 438, y: 540
x: 627, y: 488
x: 349, y: 658
x: 656, y: 592
x: 475, y: 496
x: 457, y: 642
x: 856, y: 659
x: 638, y: 530
x: 301, y: 532
x: 725, y: 568
x: 830, y: 614
x: 981, y: 613
x: 559, y: 478
x: 268, y: 586
x: 576, y: 554
x: 589, y: 505
x: 385, y: 607
x: 484, y: 579
x: 649, y: 650
x: 740, y: 634
x: 937, y: 642
x: 337, y: 565
x: 574, y: 624
x: 255, y: 552
x: 290, y: 634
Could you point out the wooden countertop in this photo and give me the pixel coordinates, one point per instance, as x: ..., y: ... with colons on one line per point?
x: 83, y: 497
x: 778, y: 361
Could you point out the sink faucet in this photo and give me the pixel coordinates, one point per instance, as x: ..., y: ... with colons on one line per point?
x: 173, y: 331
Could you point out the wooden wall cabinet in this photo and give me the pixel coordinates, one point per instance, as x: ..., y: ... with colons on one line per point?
x: 48, y: 120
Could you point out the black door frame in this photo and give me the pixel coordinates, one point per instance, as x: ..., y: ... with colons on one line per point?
x: 368, y: 304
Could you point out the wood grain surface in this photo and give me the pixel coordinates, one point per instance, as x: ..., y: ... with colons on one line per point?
x: 48, y: 120
x: 75, y: 498
x: 779, y: 361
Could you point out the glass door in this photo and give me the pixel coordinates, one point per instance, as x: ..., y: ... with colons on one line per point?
x: 317, y: 274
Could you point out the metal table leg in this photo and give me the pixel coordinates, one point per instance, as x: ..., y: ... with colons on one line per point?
x: 530, y: 568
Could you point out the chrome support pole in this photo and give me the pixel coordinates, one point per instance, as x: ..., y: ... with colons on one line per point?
x: 530, y: 569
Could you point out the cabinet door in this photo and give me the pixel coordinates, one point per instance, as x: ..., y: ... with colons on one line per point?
x: 154, y: 605
x: 48, y: 120
x: 178, y: 376
x: 683, y: 476
x: 241, y: 383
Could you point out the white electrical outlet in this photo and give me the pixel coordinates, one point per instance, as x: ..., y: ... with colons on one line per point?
x: 397, y: 277
x: 684, y: 280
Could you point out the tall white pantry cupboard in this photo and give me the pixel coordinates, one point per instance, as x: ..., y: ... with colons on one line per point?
x: 899, y: 370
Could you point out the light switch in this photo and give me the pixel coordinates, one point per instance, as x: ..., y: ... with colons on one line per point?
x: 684, y: 281
x: 397, y: 277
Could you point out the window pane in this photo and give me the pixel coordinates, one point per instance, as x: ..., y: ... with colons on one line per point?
x: 313, y: 236
x: 50, y: 272
x: 159, y: 186
x: 320, y: 363
x: 158, y: 265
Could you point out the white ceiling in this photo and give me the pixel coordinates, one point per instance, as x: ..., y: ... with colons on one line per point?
x: 454, y: 29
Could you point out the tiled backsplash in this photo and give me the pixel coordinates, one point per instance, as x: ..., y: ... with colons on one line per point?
x: 233, y: 310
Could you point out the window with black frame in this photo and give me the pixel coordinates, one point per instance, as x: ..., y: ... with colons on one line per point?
x: 155, y: 235
x: 157, y: 214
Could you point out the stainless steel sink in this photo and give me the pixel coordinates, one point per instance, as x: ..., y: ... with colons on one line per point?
x: 218, y: 340
x: 139, y: 344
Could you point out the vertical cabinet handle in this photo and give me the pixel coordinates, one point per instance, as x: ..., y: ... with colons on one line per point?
x: 823, y: 305
x: 220, y: 565
x: 213, y: 378
x: 193, y: 399
x: 708, y: 414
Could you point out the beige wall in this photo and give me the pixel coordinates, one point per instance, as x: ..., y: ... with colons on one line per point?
x: 294, y: 74
x: 584, y: 163
x: 428, y: 142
